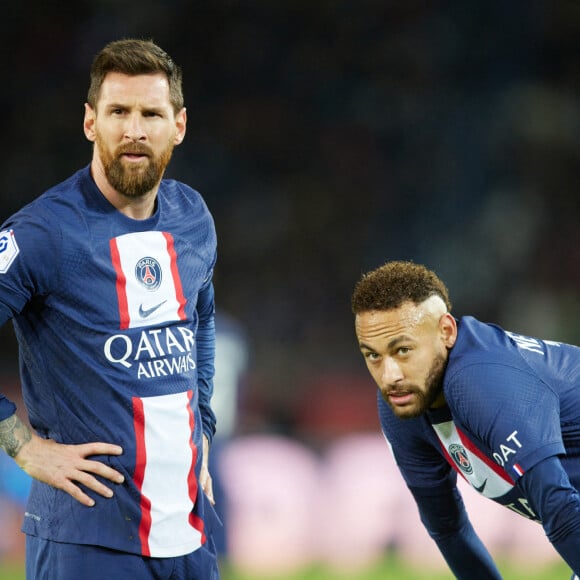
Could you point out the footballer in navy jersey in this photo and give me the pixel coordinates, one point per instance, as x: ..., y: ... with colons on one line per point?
x: 108, y: 280
x: 461, y: 397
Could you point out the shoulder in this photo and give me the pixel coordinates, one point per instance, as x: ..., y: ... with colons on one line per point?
x: 490, y: 387
x: 52, y: 206
x: 178, y: 194
x: 40, y: 227
x: 483, y: 352
x: 184, y: 213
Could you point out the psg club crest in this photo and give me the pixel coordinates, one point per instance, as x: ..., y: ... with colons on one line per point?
x: 148, y: 273
x: 459, y: 455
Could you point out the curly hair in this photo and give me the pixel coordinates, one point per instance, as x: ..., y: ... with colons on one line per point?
x: 135, y: 57
x: 394, y: 283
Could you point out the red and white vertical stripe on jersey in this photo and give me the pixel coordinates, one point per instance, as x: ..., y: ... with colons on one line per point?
x: 485, y: 476
x: 165, y: 475
x: 138, y: 304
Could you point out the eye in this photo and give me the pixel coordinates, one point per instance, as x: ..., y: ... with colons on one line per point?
x: 403, y: 350
x: 371, y: 356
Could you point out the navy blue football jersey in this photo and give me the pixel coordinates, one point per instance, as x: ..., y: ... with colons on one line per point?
x: 512, y: 401
x: 115, y: 323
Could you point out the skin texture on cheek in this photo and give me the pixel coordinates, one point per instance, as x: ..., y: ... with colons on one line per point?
x: 423, y: 395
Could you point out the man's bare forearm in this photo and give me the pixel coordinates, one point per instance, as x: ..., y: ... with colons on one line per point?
x: 13, y: 435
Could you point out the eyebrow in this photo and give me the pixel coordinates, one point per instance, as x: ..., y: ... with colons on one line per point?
x: 363, y: 345
x: 391, y: 344
x: 395, y: 341
x: 118, y: 105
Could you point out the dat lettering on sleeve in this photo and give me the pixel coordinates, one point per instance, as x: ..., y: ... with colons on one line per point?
x: 507, y: 449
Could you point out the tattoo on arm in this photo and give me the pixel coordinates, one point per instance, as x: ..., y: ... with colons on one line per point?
x: 13, y: 435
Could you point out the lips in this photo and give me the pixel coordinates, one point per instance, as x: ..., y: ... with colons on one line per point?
x: 135, y: 156
x: 400, y: 397
x: 134, y: 152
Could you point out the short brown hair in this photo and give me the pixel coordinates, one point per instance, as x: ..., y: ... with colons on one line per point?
x: 135, y: 57
x: 395, y: 283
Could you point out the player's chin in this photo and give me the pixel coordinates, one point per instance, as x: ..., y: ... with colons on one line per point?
x: 410, y: 411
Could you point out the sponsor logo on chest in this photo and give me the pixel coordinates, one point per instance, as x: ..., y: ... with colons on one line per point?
x: 151, y: 298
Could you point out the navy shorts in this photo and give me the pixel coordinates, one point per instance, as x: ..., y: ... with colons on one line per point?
x: 47, y: 560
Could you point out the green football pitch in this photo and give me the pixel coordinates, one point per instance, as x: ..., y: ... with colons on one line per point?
x: 388, y: 569
x: 392, y: 569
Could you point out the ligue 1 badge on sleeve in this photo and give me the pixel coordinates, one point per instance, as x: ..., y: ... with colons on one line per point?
x: 8, y: 250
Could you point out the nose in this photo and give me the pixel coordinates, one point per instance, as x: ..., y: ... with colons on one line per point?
x: 391, y: 372
x: 134, y: 127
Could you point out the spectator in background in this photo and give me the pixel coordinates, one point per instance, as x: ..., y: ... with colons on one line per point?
x: 231, y: 364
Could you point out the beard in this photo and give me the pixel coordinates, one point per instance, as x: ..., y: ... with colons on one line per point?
x: 133, y: 181
x: 424, y: 397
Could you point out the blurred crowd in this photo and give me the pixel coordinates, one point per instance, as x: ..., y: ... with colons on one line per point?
x: 328, y: 137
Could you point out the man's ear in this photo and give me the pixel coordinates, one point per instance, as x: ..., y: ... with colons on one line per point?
x: 448, y: 328
x: 89, y: 123
x: 180, y: 125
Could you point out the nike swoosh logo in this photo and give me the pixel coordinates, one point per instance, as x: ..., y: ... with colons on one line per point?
x: 145, y: 312
x: 481, y: 487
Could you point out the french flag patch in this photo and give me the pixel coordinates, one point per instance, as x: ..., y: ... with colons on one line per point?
x: 519, y: 471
